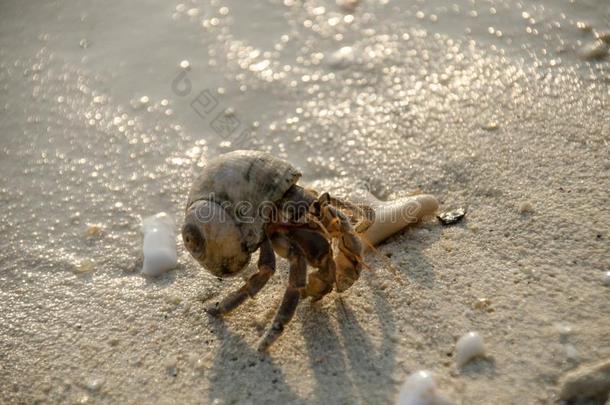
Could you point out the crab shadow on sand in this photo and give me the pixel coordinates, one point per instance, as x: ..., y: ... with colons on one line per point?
x: 344, y: 356
x: 347, y: 353
x: 239, y: 363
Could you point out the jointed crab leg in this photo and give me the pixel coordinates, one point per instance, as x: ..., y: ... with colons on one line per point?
x: 266, y: 268
x: 349, y: 258
x: 319, y: 254
x: 320, y: 282
x: 296, y: 282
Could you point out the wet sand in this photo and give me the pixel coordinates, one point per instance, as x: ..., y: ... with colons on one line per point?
x: 492, y: 106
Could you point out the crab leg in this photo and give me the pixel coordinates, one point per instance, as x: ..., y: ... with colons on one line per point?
x: 266, y: 268
x: 319, y: 254
x: 296, y: 282
x: 392, y: 216
x: 349, y: 257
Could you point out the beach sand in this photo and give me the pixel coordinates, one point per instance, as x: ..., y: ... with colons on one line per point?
x: 109, y: 110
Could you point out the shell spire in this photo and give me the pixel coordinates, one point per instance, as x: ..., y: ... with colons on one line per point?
x: 243, y: 182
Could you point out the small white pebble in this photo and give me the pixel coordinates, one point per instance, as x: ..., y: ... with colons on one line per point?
x: 571, y: 353
x: 173, y: 299
x: 260, y: 66
x: 84, y: 266
x: 94, y: 230
x: 606, y: 278
x: 159, y: 245
x: 482, y: 304
x: 468, y: 347
x: 526, y: 207
x: 342, y: 58
x: 490, y: 126
x: 420, y: 389
x: 193, y: 12
x: 563, y: 328
x: 185, y: 64
x: 94, y: 384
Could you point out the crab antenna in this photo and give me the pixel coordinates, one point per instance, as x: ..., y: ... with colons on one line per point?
x: 380, y: 255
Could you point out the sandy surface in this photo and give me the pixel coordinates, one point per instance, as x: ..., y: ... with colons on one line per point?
x: 488, y: 105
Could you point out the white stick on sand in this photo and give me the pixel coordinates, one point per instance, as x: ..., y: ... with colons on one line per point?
x: 392, y: 216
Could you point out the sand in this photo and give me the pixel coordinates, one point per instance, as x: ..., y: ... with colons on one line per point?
x: 489, y: 106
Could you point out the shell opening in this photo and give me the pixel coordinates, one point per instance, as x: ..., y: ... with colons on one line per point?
x: 214, y: 239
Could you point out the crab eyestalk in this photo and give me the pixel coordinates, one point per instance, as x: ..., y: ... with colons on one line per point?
x: 392, y: 216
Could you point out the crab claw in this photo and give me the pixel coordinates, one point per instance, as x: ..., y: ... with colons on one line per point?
x: 348, y: 272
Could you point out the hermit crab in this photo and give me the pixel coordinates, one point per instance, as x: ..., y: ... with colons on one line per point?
x: 245, y: 201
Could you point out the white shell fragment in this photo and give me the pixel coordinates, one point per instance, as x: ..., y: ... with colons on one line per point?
x: 420, y: 389
x: 392, y: 216
x: 159, y: 244
x: 469, y: 347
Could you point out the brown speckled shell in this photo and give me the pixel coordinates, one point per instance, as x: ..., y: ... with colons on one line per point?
x: 245, y: 180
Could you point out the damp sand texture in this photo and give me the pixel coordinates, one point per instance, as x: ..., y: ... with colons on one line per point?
x: 108, y: 111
